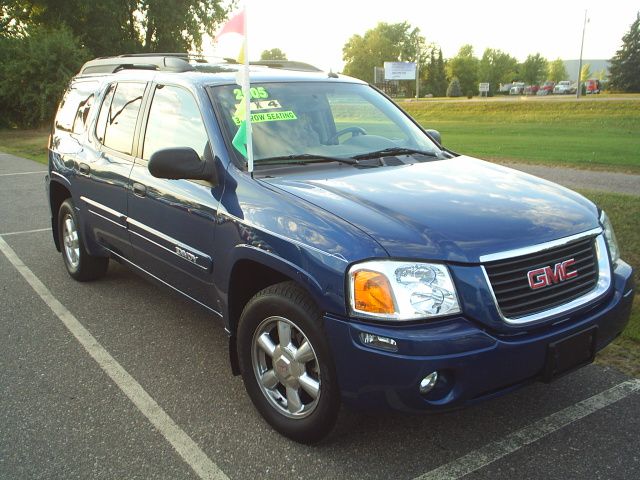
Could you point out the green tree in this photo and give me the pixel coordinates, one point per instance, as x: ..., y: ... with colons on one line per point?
x: 454, y: 89
x: 436, y: 77
x: 600, y: 74
x: 624, y: 73
x: 585, y: 72
x: 273, y: 54
x: 34, y: 71
x: 464, y: 66
x: 534, y: 69
x: 397, y: 42
x: 109, y: 27
x: 556, y: 71
x: 496, y: 67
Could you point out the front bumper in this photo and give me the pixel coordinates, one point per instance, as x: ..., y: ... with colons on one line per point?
x: 473, y: 363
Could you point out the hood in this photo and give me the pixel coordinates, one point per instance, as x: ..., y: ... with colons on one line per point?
x: 454, y: 210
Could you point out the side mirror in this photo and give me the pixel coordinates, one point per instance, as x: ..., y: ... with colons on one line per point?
x: 182, y: 163
x: 435, y: 134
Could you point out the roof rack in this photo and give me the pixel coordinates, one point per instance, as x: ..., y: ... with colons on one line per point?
x: 287, y: 65
x: 168, y: 62
x: 177, y: 62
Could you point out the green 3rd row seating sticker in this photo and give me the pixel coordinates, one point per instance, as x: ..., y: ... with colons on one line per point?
x: 268, y: 117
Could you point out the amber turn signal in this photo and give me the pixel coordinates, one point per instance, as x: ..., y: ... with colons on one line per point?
x: 372, y: 292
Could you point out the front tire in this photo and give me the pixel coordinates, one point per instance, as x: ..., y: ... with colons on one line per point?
x: 80, y: 265
x: 286, y: 363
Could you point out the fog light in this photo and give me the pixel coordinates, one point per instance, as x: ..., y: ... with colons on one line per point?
x: 428, y: 382
x: 377, y: 341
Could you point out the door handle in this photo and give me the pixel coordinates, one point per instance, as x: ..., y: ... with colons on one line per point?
x: 84, y: 169
x: 139, y: 189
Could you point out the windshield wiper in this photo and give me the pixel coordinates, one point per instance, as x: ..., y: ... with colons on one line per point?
x: 394, y: 151
x: 302, y: 158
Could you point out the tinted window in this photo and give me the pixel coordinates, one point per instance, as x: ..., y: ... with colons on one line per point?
x: 80, y: 120
x: 101, y: 124
x: 329, y: 119
x: 174, y: 121
x: 121, y: 116
x: 74, y: 107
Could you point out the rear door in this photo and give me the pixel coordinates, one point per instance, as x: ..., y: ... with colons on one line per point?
x: 103, y: 174
x: 172, y: 222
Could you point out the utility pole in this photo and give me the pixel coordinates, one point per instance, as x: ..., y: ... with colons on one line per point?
x: 584, y: 27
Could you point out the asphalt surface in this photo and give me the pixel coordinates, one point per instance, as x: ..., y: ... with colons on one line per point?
x: 62, y: 416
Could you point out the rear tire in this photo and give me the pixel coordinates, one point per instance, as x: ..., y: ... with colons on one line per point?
x: 286, y: 363
x: 80, y: 265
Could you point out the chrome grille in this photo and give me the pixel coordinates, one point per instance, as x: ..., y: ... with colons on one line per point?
x: 510, y: 282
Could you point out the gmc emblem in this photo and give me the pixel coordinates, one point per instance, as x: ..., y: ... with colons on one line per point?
x: 542, y: 277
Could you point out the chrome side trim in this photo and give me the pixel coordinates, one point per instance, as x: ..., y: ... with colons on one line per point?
x: 163, y: 282
x: 170, y: 240
x: 601, y: 288
x: 283, y: 237
x: 492, y: 257
x: 107, y: 219
x: 169, y: 250
x: 104, y: 208
x: 58, y: 174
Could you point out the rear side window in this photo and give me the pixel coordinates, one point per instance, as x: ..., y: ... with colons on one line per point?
x: 118, y: 114
x: 75, y: 106
x: 174, y: 121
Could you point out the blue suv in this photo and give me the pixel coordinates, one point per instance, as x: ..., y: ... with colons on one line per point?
x: 360, y: 263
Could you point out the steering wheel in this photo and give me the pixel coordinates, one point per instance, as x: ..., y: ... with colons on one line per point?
x: 355, y: 131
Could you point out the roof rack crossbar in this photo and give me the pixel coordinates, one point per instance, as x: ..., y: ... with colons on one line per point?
x: 162, y: 62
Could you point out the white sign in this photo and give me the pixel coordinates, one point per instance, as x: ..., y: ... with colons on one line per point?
x: 399, y: 71
x: 484, y: 87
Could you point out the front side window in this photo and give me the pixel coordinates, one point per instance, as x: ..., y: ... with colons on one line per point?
x: 174, y: 121
x: 329, y: 119
x: 118, y: 115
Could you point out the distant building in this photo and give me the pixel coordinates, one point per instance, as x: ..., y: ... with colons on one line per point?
x: 596, y: 66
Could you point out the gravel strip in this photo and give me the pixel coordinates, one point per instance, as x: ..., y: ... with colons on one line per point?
x: 585, y: 179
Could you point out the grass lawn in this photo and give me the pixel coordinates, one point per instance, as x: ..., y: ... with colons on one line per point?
x: 31, y: 144
x: 624, y: 212
x: 603, y: 135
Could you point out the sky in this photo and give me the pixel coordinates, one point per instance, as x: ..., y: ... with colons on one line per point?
x: 315, y: 32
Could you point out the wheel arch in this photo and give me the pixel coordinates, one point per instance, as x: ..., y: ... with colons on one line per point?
x: 58, y: 193
x: 254, y: 270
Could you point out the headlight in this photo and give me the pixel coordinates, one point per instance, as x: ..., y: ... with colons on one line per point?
x: 610, y: 237
x: 391, y: 290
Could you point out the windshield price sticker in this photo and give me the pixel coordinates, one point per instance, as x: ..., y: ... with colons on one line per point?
x: 256, y: 92
x: 265, y: 105
x: 268, y: 117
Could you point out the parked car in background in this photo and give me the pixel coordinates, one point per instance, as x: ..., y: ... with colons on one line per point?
x: 564, y: 88
x: 592, y: 86
x: 505, y: 88
x: 517, y: 88
x: 531, y: 89
x: 546, y: 88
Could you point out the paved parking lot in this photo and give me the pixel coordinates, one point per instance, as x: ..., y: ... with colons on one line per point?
x: 120, y: 378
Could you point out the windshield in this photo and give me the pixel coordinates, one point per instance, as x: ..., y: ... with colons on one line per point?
x: 331, y: 120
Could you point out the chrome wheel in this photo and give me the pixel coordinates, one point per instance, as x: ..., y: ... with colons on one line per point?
x: 71, y: 243
x: 286, y: 367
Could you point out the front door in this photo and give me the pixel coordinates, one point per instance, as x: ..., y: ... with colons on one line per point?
x: 172, y: 222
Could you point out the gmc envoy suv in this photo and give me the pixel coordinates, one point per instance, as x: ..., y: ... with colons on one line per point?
x: 361, y: 263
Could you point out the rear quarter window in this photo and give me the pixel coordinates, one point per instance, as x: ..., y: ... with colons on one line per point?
x: 75, y: 107
x: 118, y: 116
